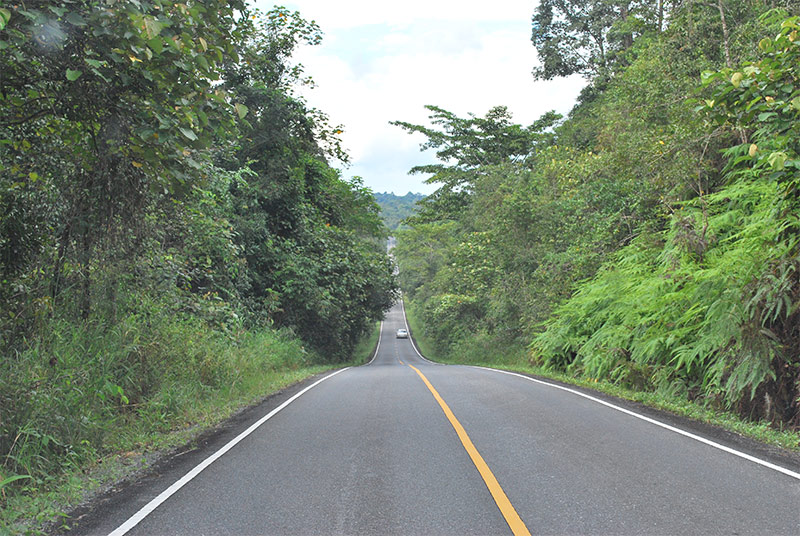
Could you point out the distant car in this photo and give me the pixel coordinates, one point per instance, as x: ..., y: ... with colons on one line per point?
x: 402, y: 333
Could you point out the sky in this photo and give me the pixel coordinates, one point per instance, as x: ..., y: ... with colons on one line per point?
x: 384, y: 61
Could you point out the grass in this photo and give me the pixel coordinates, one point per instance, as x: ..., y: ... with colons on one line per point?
x: 27, y: 512
x: 189, y: 380
x: 424, y: 344
x: 363, y: 352
x: 483, y: 353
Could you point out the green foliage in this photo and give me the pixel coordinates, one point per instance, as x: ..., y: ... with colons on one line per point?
x: 334, y: 289
x: 762, y: 100
x: 128, y: 89
x: 113, y: 162
x: 708, y: 307
x: 422, y: 251
x: 171, y: 227
x: 85, y: 391
x: 589, y: 37
x: 365, y: 349
x: 465, y: 145
x: 651, y: 239
x: 313, y: 244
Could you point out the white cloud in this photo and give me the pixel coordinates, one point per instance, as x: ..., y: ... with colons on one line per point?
x: 385, y: 61
x: 335, y: 15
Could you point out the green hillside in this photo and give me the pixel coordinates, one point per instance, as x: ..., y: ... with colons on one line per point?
x: 396, y: 208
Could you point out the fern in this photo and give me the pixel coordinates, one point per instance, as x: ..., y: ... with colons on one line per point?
x: 667, y: 312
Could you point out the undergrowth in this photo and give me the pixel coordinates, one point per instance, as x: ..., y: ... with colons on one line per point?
x: 86, y: 404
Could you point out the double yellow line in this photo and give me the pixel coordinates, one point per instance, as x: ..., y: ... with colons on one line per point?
x: 509, y: 513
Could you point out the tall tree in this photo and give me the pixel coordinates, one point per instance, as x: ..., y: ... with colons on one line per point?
x: 588, y: 37
x: 314, y: 243
x: 466, y: 146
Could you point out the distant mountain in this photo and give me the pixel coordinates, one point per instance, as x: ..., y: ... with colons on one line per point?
x: 396, y: 208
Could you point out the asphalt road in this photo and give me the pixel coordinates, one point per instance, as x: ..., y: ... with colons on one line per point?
x: 373, y: 451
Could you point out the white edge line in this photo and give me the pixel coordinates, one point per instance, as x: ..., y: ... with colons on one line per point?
x: 380, y: 336
x: 413, y: 344
x: 147, y: 509
x: 690, y: 435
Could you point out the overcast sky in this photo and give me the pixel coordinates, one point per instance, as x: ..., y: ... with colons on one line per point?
x: 384, y: 61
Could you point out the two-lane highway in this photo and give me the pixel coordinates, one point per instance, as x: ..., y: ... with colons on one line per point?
x: 404, y: 446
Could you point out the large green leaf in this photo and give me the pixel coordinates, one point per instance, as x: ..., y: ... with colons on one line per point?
x: 241, y: 110
x: 5, y: 16
x: 76, y: 19
x: 189, y: 133
x: 152, y: 27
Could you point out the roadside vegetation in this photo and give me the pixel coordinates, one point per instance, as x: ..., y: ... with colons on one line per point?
x: 174, y: 241
x: 650, y: 240
x: 517, y: 359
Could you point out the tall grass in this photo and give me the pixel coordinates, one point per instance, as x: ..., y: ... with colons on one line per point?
x: 86, y: 390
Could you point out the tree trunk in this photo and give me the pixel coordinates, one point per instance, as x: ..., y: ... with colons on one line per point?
x: 55, y: 284
x: 86, y: 286
x: 725, y: 35
x: 627, y: 39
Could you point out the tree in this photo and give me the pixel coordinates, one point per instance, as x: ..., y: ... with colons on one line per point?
x: 704, y: 306
x: 465, y: 146
x: 588, y: 37
x: 314, y: 244
x: 169, y: 223
x: 120, y: 97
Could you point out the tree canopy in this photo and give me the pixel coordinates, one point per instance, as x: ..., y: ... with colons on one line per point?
x: 589, y: 37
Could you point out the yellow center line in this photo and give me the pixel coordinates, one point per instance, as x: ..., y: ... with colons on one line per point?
x: 509, y: 513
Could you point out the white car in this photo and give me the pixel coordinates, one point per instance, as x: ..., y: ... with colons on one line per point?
x: 402, y: 333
